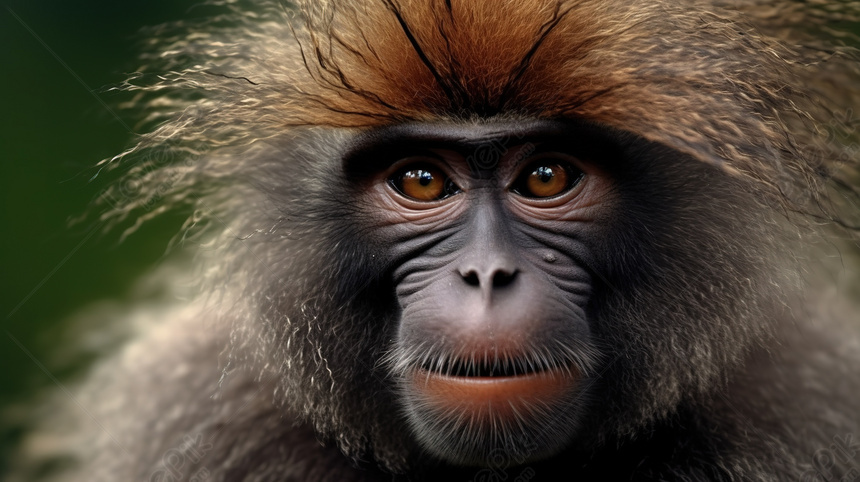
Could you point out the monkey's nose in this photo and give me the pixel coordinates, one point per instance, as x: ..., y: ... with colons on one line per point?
x: 494, y: 277
x: 488, y: 279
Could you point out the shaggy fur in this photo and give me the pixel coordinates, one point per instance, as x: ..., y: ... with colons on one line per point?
x: 738, y: 129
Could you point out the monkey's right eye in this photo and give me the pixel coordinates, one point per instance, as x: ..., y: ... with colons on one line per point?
x: 423, y: 183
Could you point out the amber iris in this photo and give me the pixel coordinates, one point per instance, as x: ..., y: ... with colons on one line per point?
x: 547, y: 181
x: 421, y: 184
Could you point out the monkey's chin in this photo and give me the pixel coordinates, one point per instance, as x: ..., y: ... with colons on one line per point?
x: 492, y: 420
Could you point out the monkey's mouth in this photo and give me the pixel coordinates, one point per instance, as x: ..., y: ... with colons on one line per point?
x: 493, y: 390
x: 498, y: 368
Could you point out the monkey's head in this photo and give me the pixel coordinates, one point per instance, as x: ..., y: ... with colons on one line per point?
x: 491, y: 230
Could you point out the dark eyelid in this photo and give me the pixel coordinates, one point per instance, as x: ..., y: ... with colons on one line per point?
x: 547, y: 153
x: 416, y: 160
x: 386, y: 161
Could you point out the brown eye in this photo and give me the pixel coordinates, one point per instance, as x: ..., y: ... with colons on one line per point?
x: 549, y: 179
x: 423, y: 183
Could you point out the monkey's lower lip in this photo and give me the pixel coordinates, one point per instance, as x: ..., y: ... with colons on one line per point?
x: 497, y: 395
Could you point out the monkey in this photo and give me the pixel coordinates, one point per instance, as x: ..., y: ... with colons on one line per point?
x: 488, y: 241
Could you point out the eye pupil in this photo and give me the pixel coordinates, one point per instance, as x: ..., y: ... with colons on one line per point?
x: 544, y: 174
x: 424, y: 178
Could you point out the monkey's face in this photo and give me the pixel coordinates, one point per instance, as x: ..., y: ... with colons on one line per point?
x: 493, y: 274
x: 509, y: 289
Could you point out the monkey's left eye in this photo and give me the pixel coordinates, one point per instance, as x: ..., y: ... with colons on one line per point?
x: 423, y: 183
x: 547, y: 179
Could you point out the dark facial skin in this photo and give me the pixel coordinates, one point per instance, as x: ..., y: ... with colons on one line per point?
x: 493, y: 282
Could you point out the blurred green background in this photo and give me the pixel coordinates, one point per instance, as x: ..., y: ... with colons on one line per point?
x: 54, y: 130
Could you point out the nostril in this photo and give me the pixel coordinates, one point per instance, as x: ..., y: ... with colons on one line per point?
x: 471, y: 279
x: 503, y: 278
